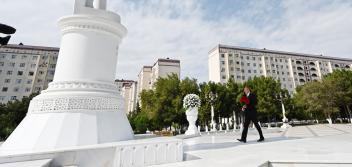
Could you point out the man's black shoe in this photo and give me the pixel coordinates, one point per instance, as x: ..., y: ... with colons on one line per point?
x: 260, y: 140
x: 240, y: 140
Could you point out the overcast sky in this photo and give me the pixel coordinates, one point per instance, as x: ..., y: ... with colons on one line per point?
x: 188, y: 29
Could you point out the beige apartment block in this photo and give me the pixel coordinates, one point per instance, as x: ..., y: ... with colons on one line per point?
x: 128, y: 90
x: 161, y: 68
x: 25, y: 70
x: 291, y: 69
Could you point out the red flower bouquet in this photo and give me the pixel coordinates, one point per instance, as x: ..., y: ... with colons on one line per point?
x: 244, y: 101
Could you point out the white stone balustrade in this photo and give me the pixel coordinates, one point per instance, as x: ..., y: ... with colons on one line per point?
x: 131, y: 153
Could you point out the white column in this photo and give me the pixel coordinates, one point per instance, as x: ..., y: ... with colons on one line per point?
x: 82, y: 105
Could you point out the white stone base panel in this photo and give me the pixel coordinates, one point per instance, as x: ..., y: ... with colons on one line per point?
x: 38, y: 132
x: 131, y: 153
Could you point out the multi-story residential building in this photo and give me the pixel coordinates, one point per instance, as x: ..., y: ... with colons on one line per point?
x: 291, y: 69
x: 161, y: 68
x: 25, y: 70
x: 128, y: 90
x: 144, y: 79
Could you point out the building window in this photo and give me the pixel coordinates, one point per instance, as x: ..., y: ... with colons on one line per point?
x: 33, y: 65
x: 37, y: 89
x: 249, y: 71
x: 9, y: 72
x: 223, y: 77
x: 255, y: 71
x: 18, y: 81
x: 238, y: 69
x: 28, y: 89
x: 253, y: 58
x: 248, y: 64
x: 51, y: 72
x: 222, y: 62
x: 242, y: 63
x: 2, y: 98
x: 222, y: 55
x: 237, y: 62
x: 232, y: 76
x: 19, y: 73
x: 22, y: 64
x: 238, y: 77
x: 13, y: 98
x: 13, y: 56
x: 231, y: 61
x: 4, y: 89
x: 247, y: 57
x: 23, y: 56
x: 222, y: 69
x: 1, y: 63
x: 242, y: 70
x: 30, y: 73
x: 12, y: 64
x: 34, y: 57
x: 16, y: 89
x: 260, y: 65
x: 29, y: 81
x: 230, y: 55
x: 254, y: 64
x: 7, y: 80
x: 243, y: 77
x: 231, y: 68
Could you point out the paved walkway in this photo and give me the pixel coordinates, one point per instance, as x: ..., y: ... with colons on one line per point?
x: 315, y: 145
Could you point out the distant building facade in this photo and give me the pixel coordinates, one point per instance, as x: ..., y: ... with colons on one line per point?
x: 25, y: 70
x: 291, y: 69
x: 161, y: 68
x: 128, y: 90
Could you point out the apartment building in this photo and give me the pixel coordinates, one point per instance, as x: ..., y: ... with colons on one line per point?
x: 25, y: 70
x: 128, y: 90
x: 291, y: 69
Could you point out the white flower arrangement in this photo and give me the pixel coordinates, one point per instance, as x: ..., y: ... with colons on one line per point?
x: 191, y: 101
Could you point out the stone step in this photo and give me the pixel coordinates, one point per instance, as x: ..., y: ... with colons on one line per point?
x: 34, y: 163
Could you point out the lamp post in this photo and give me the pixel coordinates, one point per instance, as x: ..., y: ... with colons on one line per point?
x: 212, y: 96
x: 284, y: 118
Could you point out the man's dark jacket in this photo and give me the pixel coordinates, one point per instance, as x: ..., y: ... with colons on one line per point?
x: 251, y: 109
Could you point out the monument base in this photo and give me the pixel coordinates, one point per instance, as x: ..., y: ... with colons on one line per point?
x: 65, y: 129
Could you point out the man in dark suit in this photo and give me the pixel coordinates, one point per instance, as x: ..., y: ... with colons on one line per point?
x: 250, y: 114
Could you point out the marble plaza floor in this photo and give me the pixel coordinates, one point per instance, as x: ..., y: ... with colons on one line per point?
x: 314, y: 145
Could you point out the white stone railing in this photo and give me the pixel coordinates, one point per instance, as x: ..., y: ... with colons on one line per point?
x: 131, y: 153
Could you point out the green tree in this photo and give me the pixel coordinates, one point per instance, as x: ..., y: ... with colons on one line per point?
x: 12, y: 114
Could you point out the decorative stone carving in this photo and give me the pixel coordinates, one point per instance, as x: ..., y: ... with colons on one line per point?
x: 81, y: 85
x: 74, y: 104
